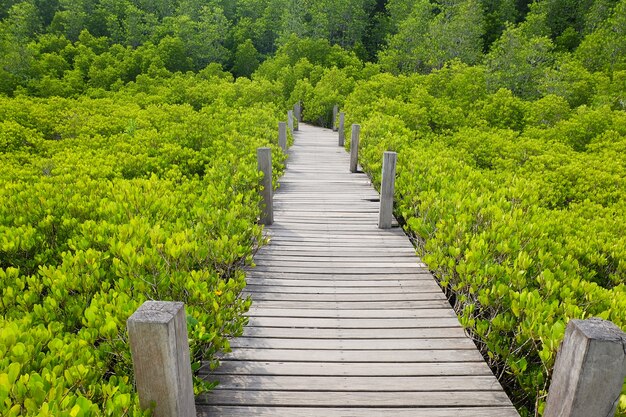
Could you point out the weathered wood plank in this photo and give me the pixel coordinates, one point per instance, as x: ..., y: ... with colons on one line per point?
x: 351, y: 369
x: 345, y: 297
x: 239, y: 411
x: 347, y: 384
x: 356, y: 399
x: 339, y: 276
x: 397, y: 283
x: 354, y: 356
x: 302, y: 333
x: 325, y: 323
x: 353, y: 313
x: 353, y: 344
x: 301, y: 289
x: 371, y: 305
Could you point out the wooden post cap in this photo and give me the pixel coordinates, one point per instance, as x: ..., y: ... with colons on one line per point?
x: 161, y: 361
x: 589, y: 371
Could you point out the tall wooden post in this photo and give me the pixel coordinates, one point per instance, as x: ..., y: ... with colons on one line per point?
x: 290, y: 120
x: 354, y: 147
x: 589, y: 371
x: 282, y: 136
x: 342, y: 133
x: 335, y: 112
x: 264, y: 160
x: 385, y: 215
x: 161, y: 361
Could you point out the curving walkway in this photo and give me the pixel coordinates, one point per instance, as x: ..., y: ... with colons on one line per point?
x: 346, y: 320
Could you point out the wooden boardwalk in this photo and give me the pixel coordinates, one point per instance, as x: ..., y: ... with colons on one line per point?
x: 346, y: 320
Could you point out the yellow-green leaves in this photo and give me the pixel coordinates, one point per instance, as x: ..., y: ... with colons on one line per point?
x: 147, y: 193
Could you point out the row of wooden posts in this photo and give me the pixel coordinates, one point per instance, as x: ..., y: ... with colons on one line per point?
x: 588, y: 374
x: 264, y: 165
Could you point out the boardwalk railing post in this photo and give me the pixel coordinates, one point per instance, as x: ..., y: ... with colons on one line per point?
x: 290, y: 120
x: 342, y: 119
x: 354, y: 147
x: 297, y: 111
x: 589, y: 370
x: 282, y: 136
x: 264, y: 160
x: 335, y: 112
x: 161, y: 362
x: 385, y: 215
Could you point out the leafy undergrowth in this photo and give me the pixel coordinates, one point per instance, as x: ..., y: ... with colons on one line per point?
x: 112, y: 199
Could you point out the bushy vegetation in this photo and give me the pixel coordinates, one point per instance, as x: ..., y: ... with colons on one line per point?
x: 147, y: 193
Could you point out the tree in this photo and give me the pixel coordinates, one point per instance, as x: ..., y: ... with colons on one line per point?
x: 430, y: 37
x: 407, y: 50
x: 605, y: 48
x: 246, y: 59
x: 456, y: 33
x: 520, y: 59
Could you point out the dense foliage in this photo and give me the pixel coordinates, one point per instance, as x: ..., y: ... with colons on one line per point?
x: 147, y: 193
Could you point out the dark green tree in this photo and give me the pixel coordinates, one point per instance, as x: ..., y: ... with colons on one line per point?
x: 246, y: 59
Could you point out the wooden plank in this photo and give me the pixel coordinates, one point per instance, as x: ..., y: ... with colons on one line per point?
x: 356, y: 399
x: 349, y: 369
x: 363, y: 264
x: 345, y: 297
x: 314, y: 252
x: 353, y: 344
x: 353, y: 323
x: 274, y: 411
x: 302, y: 289
x: 372, y: 305
x: 335, y: 333
x: 355, y: 356
x: 342, y: 269
x: 385, y: 283
x: 423, y: 275
x: 348, y: 384
x: 256, y: 311
x: 339, y: 257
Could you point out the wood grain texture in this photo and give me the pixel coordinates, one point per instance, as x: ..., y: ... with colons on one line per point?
x: 346, y: 320
x: 273, y: 411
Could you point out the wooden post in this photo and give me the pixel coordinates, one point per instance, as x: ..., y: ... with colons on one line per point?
x: 342, y: 118
x: 385, y: 215
x: 290, y: 120
x: 335, y: 112
x: 160, y: 352
x: 264, y: 160
x: 589, y: 370
x: 282, y: 135
x: 354, y: 147
x: 297, y: 111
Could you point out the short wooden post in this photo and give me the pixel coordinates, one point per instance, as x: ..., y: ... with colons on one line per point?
x: 354, y: 147
x: 342, y: 119
x: 282, y: 136
x: 264, y: 160
x: 297, y: 111
x: 589, y: 371
x: 290, y: 120
x: 335, y: 112
x: 160, y: 350
x: 385, y: 215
